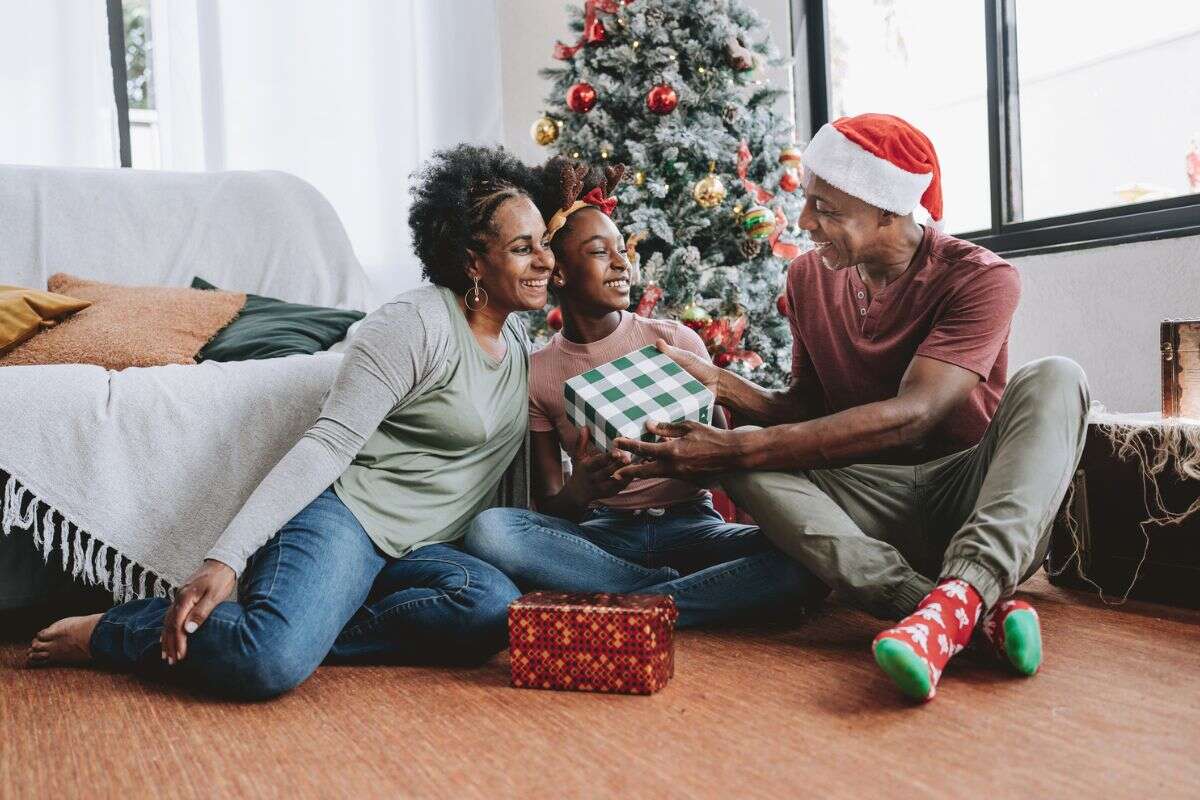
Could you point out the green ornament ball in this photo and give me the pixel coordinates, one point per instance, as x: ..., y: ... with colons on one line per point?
x: 758, y: 222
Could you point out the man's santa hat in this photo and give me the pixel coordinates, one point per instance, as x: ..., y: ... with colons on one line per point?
x: 879, y: 159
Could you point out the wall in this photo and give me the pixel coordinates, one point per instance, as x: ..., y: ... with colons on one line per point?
x: 1102, y: 307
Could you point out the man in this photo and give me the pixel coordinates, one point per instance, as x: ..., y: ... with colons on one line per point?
x: 896, y: 466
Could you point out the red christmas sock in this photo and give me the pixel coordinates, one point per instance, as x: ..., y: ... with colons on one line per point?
x: 915, y: 651
x: 1014, y: 631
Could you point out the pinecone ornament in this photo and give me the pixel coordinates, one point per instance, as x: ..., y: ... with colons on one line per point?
x: 731, y: 114
x: 750, y: 248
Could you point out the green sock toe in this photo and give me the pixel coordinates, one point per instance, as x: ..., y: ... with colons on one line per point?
x: 1023, y: 641
x: 906, y: 669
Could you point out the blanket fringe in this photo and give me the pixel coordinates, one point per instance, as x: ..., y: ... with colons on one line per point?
x: 1160, y: 447
x: 84, y: 557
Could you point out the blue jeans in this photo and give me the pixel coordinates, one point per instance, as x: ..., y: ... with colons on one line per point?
x: 715, y: 571
x: 320, y: 588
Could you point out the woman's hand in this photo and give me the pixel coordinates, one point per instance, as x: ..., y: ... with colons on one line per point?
x: 592, y: 472
x: 195, y: 600
x: 699, y: 368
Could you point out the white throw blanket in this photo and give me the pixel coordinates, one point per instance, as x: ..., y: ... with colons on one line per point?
x: 133, y: 475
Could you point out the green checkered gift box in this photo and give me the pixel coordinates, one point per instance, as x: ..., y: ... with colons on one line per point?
x: 620, y: 397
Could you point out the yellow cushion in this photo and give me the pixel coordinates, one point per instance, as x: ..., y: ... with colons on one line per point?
x: 24, y: 312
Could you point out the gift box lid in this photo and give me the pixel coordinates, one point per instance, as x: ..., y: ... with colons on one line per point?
x: 621, y: 396
x: 597, y: 603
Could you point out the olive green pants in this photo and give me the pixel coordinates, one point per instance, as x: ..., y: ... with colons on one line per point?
x: 879, y: 534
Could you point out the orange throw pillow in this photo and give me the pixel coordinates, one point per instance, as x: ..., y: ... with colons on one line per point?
x: 128, y: 326
x: 24, y: 312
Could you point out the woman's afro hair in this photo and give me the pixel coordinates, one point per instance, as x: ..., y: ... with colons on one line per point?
x: 454, y: 198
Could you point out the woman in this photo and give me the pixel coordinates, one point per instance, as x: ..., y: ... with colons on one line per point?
x: 427, y: 411
x: 596, y: 533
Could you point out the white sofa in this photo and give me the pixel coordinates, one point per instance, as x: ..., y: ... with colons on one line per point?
x: 267, y: 233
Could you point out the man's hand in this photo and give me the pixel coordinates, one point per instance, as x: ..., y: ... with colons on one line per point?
x: 699, y: 368
x: 592, y: 475
x: 195, y: 600
x: 692, y: 452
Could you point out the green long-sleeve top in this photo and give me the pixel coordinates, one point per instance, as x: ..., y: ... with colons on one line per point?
x: 415, y: 433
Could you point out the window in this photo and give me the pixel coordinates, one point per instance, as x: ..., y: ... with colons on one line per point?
x: 1058, y: 125
x: 131, y: 47
x: 894, y: 57
x: 1109, y: 120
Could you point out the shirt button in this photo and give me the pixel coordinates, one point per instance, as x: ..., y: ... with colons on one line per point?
x: 862, y: 311
x: 860, y: 295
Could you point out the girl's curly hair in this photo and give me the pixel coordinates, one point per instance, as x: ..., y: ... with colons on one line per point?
x: 561, y: 181
x: 454, y: 198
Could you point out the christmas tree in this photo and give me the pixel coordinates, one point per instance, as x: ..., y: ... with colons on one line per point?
x: 674, y: 89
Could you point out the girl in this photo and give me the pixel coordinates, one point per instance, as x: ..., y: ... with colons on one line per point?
x: 348, y: 547
x: 596, y: 533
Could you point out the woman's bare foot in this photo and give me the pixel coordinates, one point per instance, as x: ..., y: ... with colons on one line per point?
x: 65, y: 642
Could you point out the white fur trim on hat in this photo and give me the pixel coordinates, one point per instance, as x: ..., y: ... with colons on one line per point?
x: 843, y: 164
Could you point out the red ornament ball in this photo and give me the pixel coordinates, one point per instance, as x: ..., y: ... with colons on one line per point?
x: 781, y: 303
x: 554, y: 318
x: 789, y: 181
x: 723, y: 359
x: 662, y: 99
x: 581, y: 97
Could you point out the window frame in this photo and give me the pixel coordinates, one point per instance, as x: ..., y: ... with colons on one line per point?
x: 116, y: 56
x: 1134, y: 222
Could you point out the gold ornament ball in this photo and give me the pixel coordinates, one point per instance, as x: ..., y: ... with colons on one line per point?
x: 709, y: 191
x: 544, y: 131
x: 639, y: 178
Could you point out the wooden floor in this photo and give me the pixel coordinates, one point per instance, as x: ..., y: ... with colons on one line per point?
x: 798, y: 712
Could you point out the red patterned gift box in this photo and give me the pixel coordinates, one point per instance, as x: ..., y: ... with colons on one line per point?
x: 592, y: 642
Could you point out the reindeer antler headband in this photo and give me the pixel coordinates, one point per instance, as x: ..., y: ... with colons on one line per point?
x: 599, y: 197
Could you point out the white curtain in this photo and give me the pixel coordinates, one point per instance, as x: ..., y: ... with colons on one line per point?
x: 56, y: 90
x: 349, y: 96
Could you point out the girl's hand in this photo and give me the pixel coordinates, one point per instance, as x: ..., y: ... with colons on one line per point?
x: 592, y: 476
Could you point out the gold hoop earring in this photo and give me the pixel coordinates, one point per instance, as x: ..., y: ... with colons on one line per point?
x: 477, y: 296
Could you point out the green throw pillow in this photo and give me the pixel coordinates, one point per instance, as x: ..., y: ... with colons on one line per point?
x: 270, y: 328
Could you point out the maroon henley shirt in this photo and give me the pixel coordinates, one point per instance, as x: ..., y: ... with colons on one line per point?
x: 954, y: 303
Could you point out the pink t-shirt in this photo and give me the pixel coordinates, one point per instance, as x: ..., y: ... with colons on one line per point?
x: 954, y: 303
x: 561, y: 360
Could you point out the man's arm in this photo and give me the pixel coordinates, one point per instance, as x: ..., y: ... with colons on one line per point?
x: 929, y: 391
x: 752, y: 403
